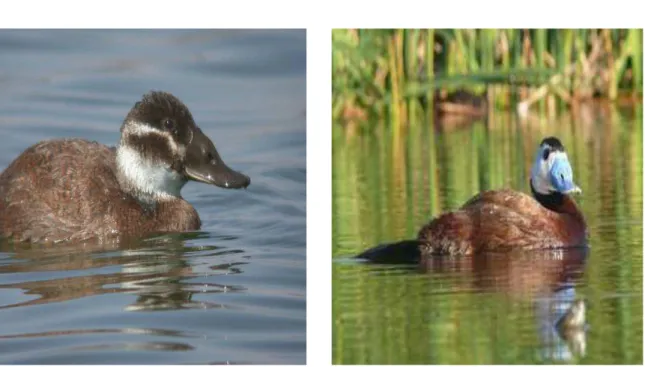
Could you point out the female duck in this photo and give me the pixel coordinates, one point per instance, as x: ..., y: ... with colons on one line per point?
x: 504, y: 220
x: 74, y: 189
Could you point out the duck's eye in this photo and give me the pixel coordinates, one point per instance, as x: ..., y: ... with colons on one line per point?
x: 545, y: 154
x: 169, y: 124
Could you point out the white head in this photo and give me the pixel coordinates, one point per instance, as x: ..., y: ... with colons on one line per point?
x: 161, y: 148
x: 551, y: 171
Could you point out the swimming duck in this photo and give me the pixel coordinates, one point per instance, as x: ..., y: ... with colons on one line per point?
x: 503, y: 220
x: 74, y: 189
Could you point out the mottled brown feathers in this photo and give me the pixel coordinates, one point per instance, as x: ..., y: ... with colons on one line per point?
x: 73, y: 189
x: 68, y: 190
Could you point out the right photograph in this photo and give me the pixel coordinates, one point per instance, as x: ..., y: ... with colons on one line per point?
x: 487, y: 196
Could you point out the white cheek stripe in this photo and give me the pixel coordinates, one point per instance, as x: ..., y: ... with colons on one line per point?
x: 153, y: 178
x: 140, y: 129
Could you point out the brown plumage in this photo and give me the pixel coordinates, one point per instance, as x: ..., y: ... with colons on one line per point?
x: 74, y: 189
x: 503, y: 220
x: 68, y: 190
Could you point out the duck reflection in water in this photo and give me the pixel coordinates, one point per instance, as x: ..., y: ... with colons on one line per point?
x: 545, y: 277
x: 508, y: 241
x: 155, y: 270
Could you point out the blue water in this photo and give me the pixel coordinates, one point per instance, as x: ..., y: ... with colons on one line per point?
x: 233, y: 292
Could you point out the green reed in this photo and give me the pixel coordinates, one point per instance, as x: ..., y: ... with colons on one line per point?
x: 395, y: 73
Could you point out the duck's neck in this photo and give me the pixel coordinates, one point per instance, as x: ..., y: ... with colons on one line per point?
x: 568, y: 211
x: 552, y: 201
x: 557, y: 202
x: 149, y: 182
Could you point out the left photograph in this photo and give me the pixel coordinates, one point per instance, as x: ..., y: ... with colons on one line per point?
x: 152, y: 196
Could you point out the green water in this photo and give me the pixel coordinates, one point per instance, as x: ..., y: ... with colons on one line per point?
x: 386, y: 186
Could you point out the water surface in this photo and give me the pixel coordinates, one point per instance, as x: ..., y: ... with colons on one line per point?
x: 233, y: 292
x: 494, y: 309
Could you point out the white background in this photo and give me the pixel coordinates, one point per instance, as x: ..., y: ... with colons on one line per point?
x: 319, y: 17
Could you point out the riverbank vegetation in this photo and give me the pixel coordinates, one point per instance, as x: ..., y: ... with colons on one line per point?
x: 404, y: 72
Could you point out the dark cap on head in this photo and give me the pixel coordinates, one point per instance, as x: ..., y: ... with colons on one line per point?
x: 173, y: 134
x: 553, y: 142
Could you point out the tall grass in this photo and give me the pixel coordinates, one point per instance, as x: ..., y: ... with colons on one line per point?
x: 393, y: 72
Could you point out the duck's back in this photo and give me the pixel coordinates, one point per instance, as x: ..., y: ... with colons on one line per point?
x: 56, y: 189
x: 502, y: 220
x: 68, y: 190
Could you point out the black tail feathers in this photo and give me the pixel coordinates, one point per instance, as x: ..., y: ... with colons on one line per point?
x: 403, y: 252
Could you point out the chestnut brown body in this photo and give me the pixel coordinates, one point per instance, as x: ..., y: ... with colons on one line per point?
x: 504, y: 220
x: 497, y: 221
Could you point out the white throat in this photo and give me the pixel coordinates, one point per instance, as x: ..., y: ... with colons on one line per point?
x: 155, y: 180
